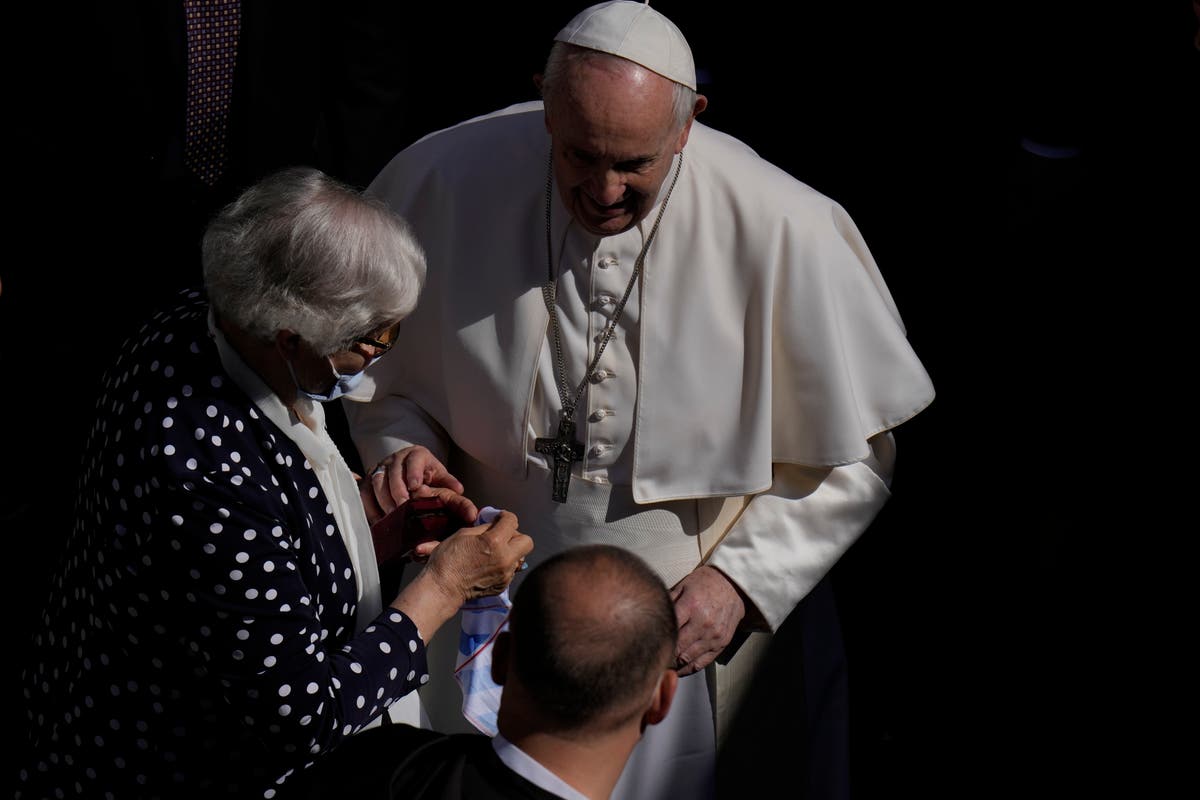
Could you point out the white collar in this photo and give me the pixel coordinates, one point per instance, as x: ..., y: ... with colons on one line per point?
x: 528, y: 768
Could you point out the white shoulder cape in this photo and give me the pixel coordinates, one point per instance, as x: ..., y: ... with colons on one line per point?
x: 768, y: 334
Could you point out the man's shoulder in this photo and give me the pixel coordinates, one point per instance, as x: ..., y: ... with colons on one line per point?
x: 728, y: 166
x: 495, y: 146
x: 515, y: 118
x: 509, y: 128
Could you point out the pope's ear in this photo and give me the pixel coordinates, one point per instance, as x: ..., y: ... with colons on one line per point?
x: 701, y: 104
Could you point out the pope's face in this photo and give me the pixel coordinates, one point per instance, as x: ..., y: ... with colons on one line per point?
x: 614, y: 137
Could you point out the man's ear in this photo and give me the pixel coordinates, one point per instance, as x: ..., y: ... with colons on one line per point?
x: 501, y: 652
x: 681, y: 142
x: 660, y: 701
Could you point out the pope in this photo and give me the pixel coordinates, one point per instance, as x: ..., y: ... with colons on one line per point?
x: 636, y: 331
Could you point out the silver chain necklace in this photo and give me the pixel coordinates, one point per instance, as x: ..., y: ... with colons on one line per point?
x: 564, y: 447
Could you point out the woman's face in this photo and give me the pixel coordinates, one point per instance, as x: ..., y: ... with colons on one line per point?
x: 315, y: 373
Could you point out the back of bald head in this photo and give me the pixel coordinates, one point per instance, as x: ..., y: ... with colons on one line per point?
x: 593, y: 630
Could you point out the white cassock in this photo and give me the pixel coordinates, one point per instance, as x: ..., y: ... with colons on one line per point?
x: 738, y: 417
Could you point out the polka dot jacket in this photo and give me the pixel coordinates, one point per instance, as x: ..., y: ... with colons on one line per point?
x: 199, y: 637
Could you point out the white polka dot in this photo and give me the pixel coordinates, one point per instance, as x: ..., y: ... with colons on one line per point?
x: 243, y: 634
x: 199, y: 434
x: 191, y: 463
x: 172, y: 402
x: 312, y: 687
x: 313, y: 492
x: 236, y: 480
x: 269, y: 661
x: 284, y: 710
x: 330, y: 530
x: 235, y: 575
x: 412, y: 673
x: 285, y: 690
x: 270, y: 594
x: 223, y: 513
x: 242, y: 558
x: 211, y: 411
x: 392, y: 674
x: 346, y: 730
x: 412, y: 645
x: 169, y: 371
x: 216, y: 527
x: 167, y: 422
x: 356, y: 667
x: 187, y: 391
x: 178, y: 520
x: 235, y: 457
x: 276, y: 638
x: 424, y: 679
x: 269, y: 566
x: 216, y: 440
x: 385, y: 647
x: 251, y: 594
x: 249, y: 535
x: 169, y: 449
x: 210, y: 548
x: 361, y: 701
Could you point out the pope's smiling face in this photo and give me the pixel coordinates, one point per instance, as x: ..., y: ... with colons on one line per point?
x: 614, y: 138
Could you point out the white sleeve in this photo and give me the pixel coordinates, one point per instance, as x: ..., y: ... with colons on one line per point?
x: 787, y: 538
x: 392, y: 422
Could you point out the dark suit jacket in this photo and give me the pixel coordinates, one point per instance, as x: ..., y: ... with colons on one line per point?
x: 406, y: 763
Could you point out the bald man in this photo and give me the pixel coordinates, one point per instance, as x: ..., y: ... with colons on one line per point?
x: 587, y: 665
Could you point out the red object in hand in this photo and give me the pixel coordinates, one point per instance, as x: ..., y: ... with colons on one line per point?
x: 414, y: 522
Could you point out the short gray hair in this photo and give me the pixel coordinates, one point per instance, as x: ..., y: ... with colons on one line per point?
x: 563, y: 56
x: 301, y: 251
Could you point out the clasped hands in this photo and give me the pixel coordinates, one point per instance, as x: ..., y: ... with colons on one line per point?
x: 708, y: 606
x: 476, y: 560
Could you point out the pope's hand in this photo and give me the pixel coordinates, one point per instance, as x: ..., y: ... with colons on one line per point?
x: 403, y: 474
x: 708, y: 609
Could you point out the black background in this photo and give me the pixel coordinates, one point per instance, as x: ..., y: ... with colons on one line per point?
x: 1006, y: 617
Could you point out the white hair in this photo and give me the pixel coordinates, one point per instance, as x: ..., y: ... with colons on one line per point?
x: 563, y: 56
x: 301, y: 251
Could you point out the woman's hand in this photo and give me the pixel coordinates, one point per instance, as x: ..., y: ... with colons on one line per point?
x: 472, y: 562
x: 403, y: 474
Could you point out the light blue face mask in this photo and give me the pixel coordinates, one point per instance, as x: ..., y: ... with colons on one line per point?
x: 343, y: 384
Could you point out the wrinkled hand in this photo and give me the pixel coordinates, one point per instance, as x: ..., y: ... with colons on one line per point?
x: 480, y: 560
x: 400, y: 476
x: 708, y: 609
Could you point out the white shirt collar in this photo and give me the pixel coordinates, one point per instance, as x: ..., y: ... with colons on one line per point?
x: 524, y: 765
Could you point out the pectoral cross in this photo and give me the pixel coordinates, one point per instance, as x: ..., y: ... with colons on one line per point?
x: 566, y: 451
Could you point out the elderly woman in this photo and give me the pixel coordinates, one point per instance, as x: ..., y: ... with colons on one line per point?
x: 217, y: 624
